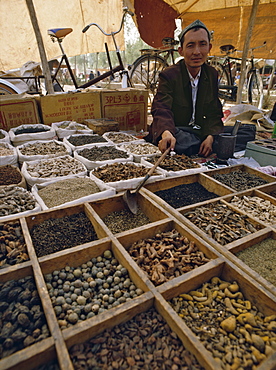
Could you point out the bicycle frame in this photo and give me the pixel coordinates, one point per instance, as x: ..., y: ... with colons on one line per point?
x: 26, y: 79
x: 168, y: 50
x: 111, y: 72
x: 229, y: 91
x: 64, y: 59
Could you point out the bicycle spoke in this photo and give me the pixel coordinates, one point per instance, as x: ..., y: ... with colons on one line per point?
x: 146, y: 71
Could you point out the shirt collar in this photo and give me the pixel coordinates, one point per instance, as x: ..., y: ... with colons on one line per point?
x: 196, y: 78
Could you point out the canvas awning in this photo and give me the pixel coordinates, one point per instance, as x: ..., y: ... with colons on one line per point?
x: 227, y: 18
x: 17, y: 39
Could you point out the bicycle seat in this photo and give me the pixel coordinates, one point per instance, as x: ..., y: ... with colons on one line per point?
x: 149, y: 51
x: 169, y: 41
x: 59, y: 33
x: 227, y: 48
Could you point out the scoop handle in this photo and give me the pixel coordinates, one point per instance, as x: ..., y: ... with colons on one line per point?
x: 159, y: 160
x: 236, y: 127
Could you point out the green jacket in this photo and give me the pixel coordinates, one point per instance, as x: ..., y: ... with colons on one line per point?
x: 172, y: 104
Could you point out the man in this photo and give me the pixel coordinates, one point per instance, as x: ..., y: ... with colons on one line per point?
x: 186, y: 109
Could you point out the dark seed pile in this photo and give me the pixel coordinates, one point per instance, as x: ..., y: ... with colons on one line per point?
x: 55, y: 235
x: 185, y: 194
x: 9, y: 175
x: 102, y: 153
x: 30, y: 130
x: 86, y: 139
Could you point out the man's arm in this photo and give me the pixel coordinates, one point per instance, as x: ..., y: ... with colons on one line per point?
x: 163, y: 116
x: 167, y: 141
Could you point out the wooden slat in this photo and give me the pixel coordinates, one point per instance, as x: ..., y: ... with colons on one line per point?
x: 100, y: 228
x: 15, y: 272
x: 63, y: 356
x: 116, y: 203
x: 38, y: 354
x: 268, y: 188
x: 137, y: 275
x: 115, y: 316
x: 191, y: 280
x: 188, y: 338
x: 75, y: 256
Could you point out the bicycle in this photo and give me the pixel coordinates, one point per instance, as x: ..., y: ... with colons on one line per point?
x: 228, y: 67
x: 145, y: 70
x: 58, y: 35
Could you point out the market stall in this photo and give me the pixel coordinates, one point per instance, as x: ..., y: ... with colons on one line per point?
x: 87, y: 276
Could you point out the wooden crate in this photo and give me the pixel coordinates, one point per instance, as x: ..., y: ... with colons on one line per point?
x: 102, y: 125
x: 269, y: 189
x: 223, y: 263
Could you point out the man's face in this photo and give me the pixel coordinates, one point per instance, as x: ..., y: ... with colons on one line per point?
x: 195, y: 48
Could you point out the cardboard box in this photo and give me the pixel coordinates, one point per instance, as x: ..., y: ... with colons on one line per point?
x: 16, y: 110
x: 73, y: 106
x: 126, y: 106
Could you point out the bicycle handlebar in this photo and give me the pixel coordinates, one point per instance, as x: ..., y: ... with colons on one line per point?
x: 251, y: 49
x: 126, y: 11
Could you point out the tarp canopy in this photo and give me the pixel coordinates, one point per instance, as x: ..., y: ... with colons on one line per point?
x: 155, y: 19
x: 18, y: 44
x: 227, y: 18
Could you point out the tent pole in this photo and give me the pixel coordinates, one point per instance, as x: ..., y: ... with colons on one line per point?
x: 246, y: 48
x: 45, y: 66
x: 270, y: 83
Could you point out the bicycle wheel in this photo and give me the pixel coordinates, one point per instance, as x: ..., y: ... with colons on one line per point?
x: 145, y: 71
x: 223, y: 76
x: 7, y: 88
x: 255, y: 89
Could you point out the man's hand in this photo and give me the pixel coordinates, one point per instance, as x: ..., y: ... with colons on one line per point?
x: 206, y: 146
x: 167, y: 141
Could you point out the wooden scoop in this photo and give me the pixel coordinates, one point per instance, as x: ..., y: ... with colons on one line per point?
x: 129, y: 197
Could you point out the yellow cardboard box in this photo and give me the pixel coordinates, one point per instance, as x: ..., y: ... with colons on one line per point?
x: 73, y: 106
x: 16, y: 110
x: 127, y: 106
